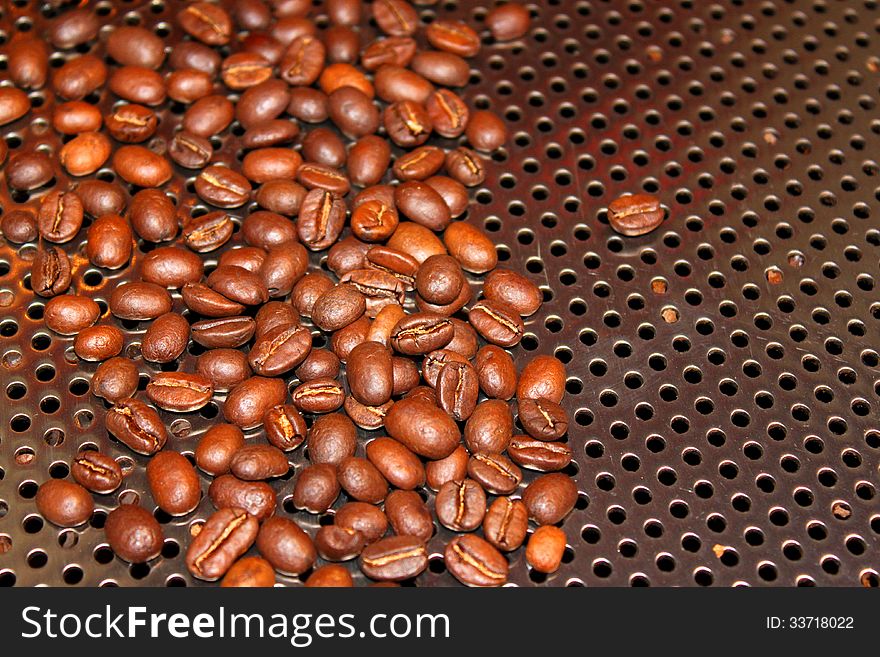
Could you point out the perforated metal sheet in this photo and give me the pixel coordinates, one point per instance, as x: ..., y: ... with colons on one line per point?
x: 724, y: 421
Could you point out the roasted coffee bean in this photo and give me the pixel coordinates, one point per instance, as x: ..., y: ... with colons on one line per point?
x: 465, y: 341
x: 79, y: 77
x: 379, y: 288
x: 133, y: 533
x: 152, y: 216
x: 419, y: 164
x: 474, y: 562
x: 96, y: 471
x: 506, y: 524
x: 374, y: 221
x: 281, y: 196
x: 190, y: 151
x: 464, y: 297
x: 19, y: 226
x: 76, y: 117
x: 280, y: 350
x: 423, y: 393
x: 497, y: 323
x: 409, y: 515
x: 252, y: 14
x: 471, y: 247
x: 287, y: 547
x: 85, y: 153
x: 396, y: 463
x: 132, y: 45
x: 368, y: 160
x: 165, y: 339
x: 453, y: 36
x: 370, y: 373
x: 416, y: 240
x: 174, y: 484
x: 332, y: 438
x: 319, y: 176
x: 141, y: 167
x: 343, y: 44
x: 64, y: 503
x: 508, y: 288
x: 338, y: 307
x: 139, y: 301
x: 247, y: 403
x: 440, y: 279
x: 422, y: 427
x: 265, y: 45
x: 255, y: 497
x: 339, y: 75
x: 137, y: 85
x: 226, y: 535
x: 179, y: 392
x: 405, y: 374
x: 550, y: 498
x: 303, y: 61
x: 407, y: 123
x: 69, y: 314
x: 215, y: 449
x: 366, y: 417
x: 508, y: 21
x: 223, y: 187
x: 206, y: 22
x: 109, y: 242
x: 224, y: 368
x: 353, y: 112
x: 190, y: 54
x: 344, y: 12
x: 383, y: 324
x: 203, y: 300
x: 269, y: 132
x: 458, y: 390
x: 115, y: 379
x: 171, y: 267
x: 267, y: 229
x: 28, y: 170
x: 50, y: 272
x: 546, y: 548
x: 421, y: 333
x: 28, y: 61
x: 434, y: 363
x: 320, y: 363
x: 543, y: 419
x: 258, y: 462
x: 209, y: 116
x: 495, y: 473
x: 362, y: 480
x: 346, y: 255
x: 285, y: 427
x: 486, y: 131
x: 133, y: 124
x: 538, y: 454
x: 137, y: 425
x: 460, y: 505
x: 316, y: 488
x: 395, y: 18
x: 284, y: 265
x: 100, y: 198
x: 395, y: 558
x: 238, y: 284
x: 496, y: 372
x: 308, y: 290
x: 449, y: 114
x: 244, y: 69
x: 266, y: 164
x: 635, y: 214
x: 14, y: 104
x: 318, y: 396
x: 249, y: 572
x: 97, y: 343
x: 543, y: 377
x: 442, y: 68
x: 489, y: 428
x: 364, y: 518
x: 465, y: 166
x: 188, y: 85
x: 309, y: 105
x: 60, y: 216
x: 395, y: 83
x: 321, y: 219
x: 324, y: 146
x: 338, y: 543
x: 391, y: 50
x: 451, y: 468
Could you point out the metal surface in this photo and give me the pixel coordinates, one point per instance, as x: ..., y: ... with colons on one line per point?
x: 724, y: 421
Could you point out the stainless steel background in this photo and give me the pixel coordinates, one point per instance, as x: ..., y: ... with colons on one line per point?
x: 737, y: 444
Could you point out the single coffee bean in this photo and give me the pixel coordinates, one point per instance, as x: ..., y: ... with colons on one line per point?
x: 486, y: 131
x: 451, y: 468
x: 209, y: 116
x: 321, y: 219
x: 141, y: 167
x: 460, y: 505
x: 472, y: 248
x: 439, y: 280
x: 191, y: 54
x: 318, y: 396
x: 96, y: 471
x: 69, y: 314
x: 465, y: 341
x: 109, y: 242
x: 395, y: 18
x: 395, y: 83
x: 132, y: 124
x: 509, y: 21
x: 262, y: 102
x: 100, y: 198
x: 265, y: 164
x: 85, y: 153
x: 76, y: 117
x: 244, y: 69
x: 332, y: 438
x: 249, y: 572
x: 188, y: 85
x: 287, y: 547
x: 422, y: 427
x: 324, y: 146
x: 506, y: 524
x: 421, y: 333
x: 456, y: 37
x: 396, y: 463
x: 238, y: 284
x: 252, y: 14
x: 319, y: 176
x: 179, y: 392
x: 635, y: 214
x: 215, y: 449
x: 137, y: 85
x: 132, y: 45
x: 374, y: 221
x: 133, y: 533
x: 538, y: 454
x: 73, y: 28
x: 190, y: 151
x: 171, y: 267
x: 19, y: 226
x: 449, y: 114
x: 303, y: 61
x: 444, y: 68
x: 546, y: 548
x: 64, y: 503
x: 379, y: 288
x: 353, y: 112
x: 364, y: 518
x: 308, y: 290
x: 226, y: 535
x: 382, y: 325
x: 201, y: 299
x: 319, y: 364
x: 419, y: 164
x: 394, y: 559
x: 496, y: 371
x: 543, y: 377
x: 543, y: 419
x: 497, y: 323
x: 370, y: 373
x: 368, y: 160
x: 265, y: 45
x: 405, y: 374
x: 285, y: 428
x: 258, y: 462
x: 465, y: 166
x: 50, y: 272
x: 550, y: 498
x: 464, y: 297
x: 281, y: 196
x: 165, y: 339
x: 256, y: 497
x: 280, y: 350
x: 489, y: 428
x: 174, y: 484
x: 338, y: 543
x: 115, y: 379
x: 28, y: 61
x: 308, y: 105
x: 513, y: 290
x: 416, y: 240
x: 397, y: 50
x: 316, y: 488
x: 267, y: 229
x: 137, y: 425
x: 338, y: 307
x: 206, y: 22
x: 474, y: 562
x: 347, y: 255
x: 270, y: 132
x: 224, y: 368
x: 346, y: 339
x: 152, y: 216
x: 423, y: 393
x: 223, y: 187
x: 97, y: 343
x: 407, y: 123
x: 14, y: 104
x: 79, y: 77
x: 247, y: 403
x: 60, y: 216
x: 409, y: 515
x: 458, y: 389
x: 366, y: 417
x: 362, y: 480
x: 495, y: 473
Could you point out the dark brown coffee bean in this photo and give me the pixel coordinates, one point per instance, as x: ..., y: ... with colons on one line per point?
x: 258, y: 462
x: 188, y: 85
x: 384, y: 323
x: 324, y: 146
x: 363, y: 518
x: 506, y: 524
x: 133, y: 533
x: 316, y: 488
x: 223, y: 187
x: 97, y: 472
x: 409, y: 515
x: 224, y: 368
x: 332, y: 438
x: 370, y: 373
x: 85, y: 153
x: 344, y: 340
x: 281, y: 196
x: 267, y: 229
x: 64, y: 503
x: 321, y: 219
x: 465, y: 166
x: 141, y: 167
x: 247, y: 403
x: 226, y: 535
x: 68, y: 314
x: 190, y: 151
x: 344, y: 12
x: 423, y: 393
x: 398, y: 51
x: 421, y: 333
x: 171, y: 267
x: 60, y: 216
x: 206, y: 22
x: 14, y: 104
x: 422, y: 427
x: 28, y: 170
x: 191, y: 54
x: 407, y: 123
x: 320, y: 363
x: 137, y: 426
x: 543, y: 419
x: 115, y: 379
x: 543, y: 377
x: 338, y: 307
x: 486, y: 131
x: 285, y: 427
x: 269, y: 132
x: 449, y: 114
x: 179, y: 392
x: 451, y: 468
x: 256, y: 497
x: 50, y: 272
x: 366, y: 417
x: 165, y: 339
x: 497, y: 323
x: 460, y: 505
x: 474, y: 562
x: 395, y: 18
x: 636, y: 214
x: 496, y: 372
x: 338, y: 543
x: 465, y: 340
x: 318, y: 396
x: 287, y: 547
x: 152, y: 216
x: 416, y: 240
x: 419, y: 164
x: 280, y: 350
x: 368, y: 160
x: 395, y: 558
x: 362, y: 480
x: 109, y: 242
x: 343, y: 44
x: 464, y: 297
x: 396, y: 462
x: 346, y: 255
x: 494, y: 472
x: 252, y: 14
x: 374, y: 221
x: 250, y: 258
x: 395, y: 83
x: 79, y: 77
x: 440, y: 279
x: 97, y: 343
x: 75, y: 117
x: 458, y: 389
x: 490, y: 427
x: 550, y: 498
x: 513, y: 290
x: 209, y: 116
x: 267, y: 164
x: 28, y: 61
x: 309, y: 105
x: 19, y: 226
x: 318, y: 176
x: 453, y: 36
x: 100, y: 198
x: 442, y: 68
x: 308, y: 290
x: 139, y: 301
x: 539, y: 455
x: 509, y: 21
x: 174, y: 484
x: 405, y: 374
x: 203, y: 300
x: 215, y: 449
x: 132, y: 45
x: 238, y: 284
x: 285, y: 264
x: 353, y: 112
x: 242, y: 70
x: 379, y: 288
x: 303, y: 61
x: 137, y: 85
x: 249, y: 572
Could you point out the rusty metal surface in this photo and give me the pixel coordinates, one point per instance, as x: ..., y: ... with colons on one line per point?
x: 724, y: 420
